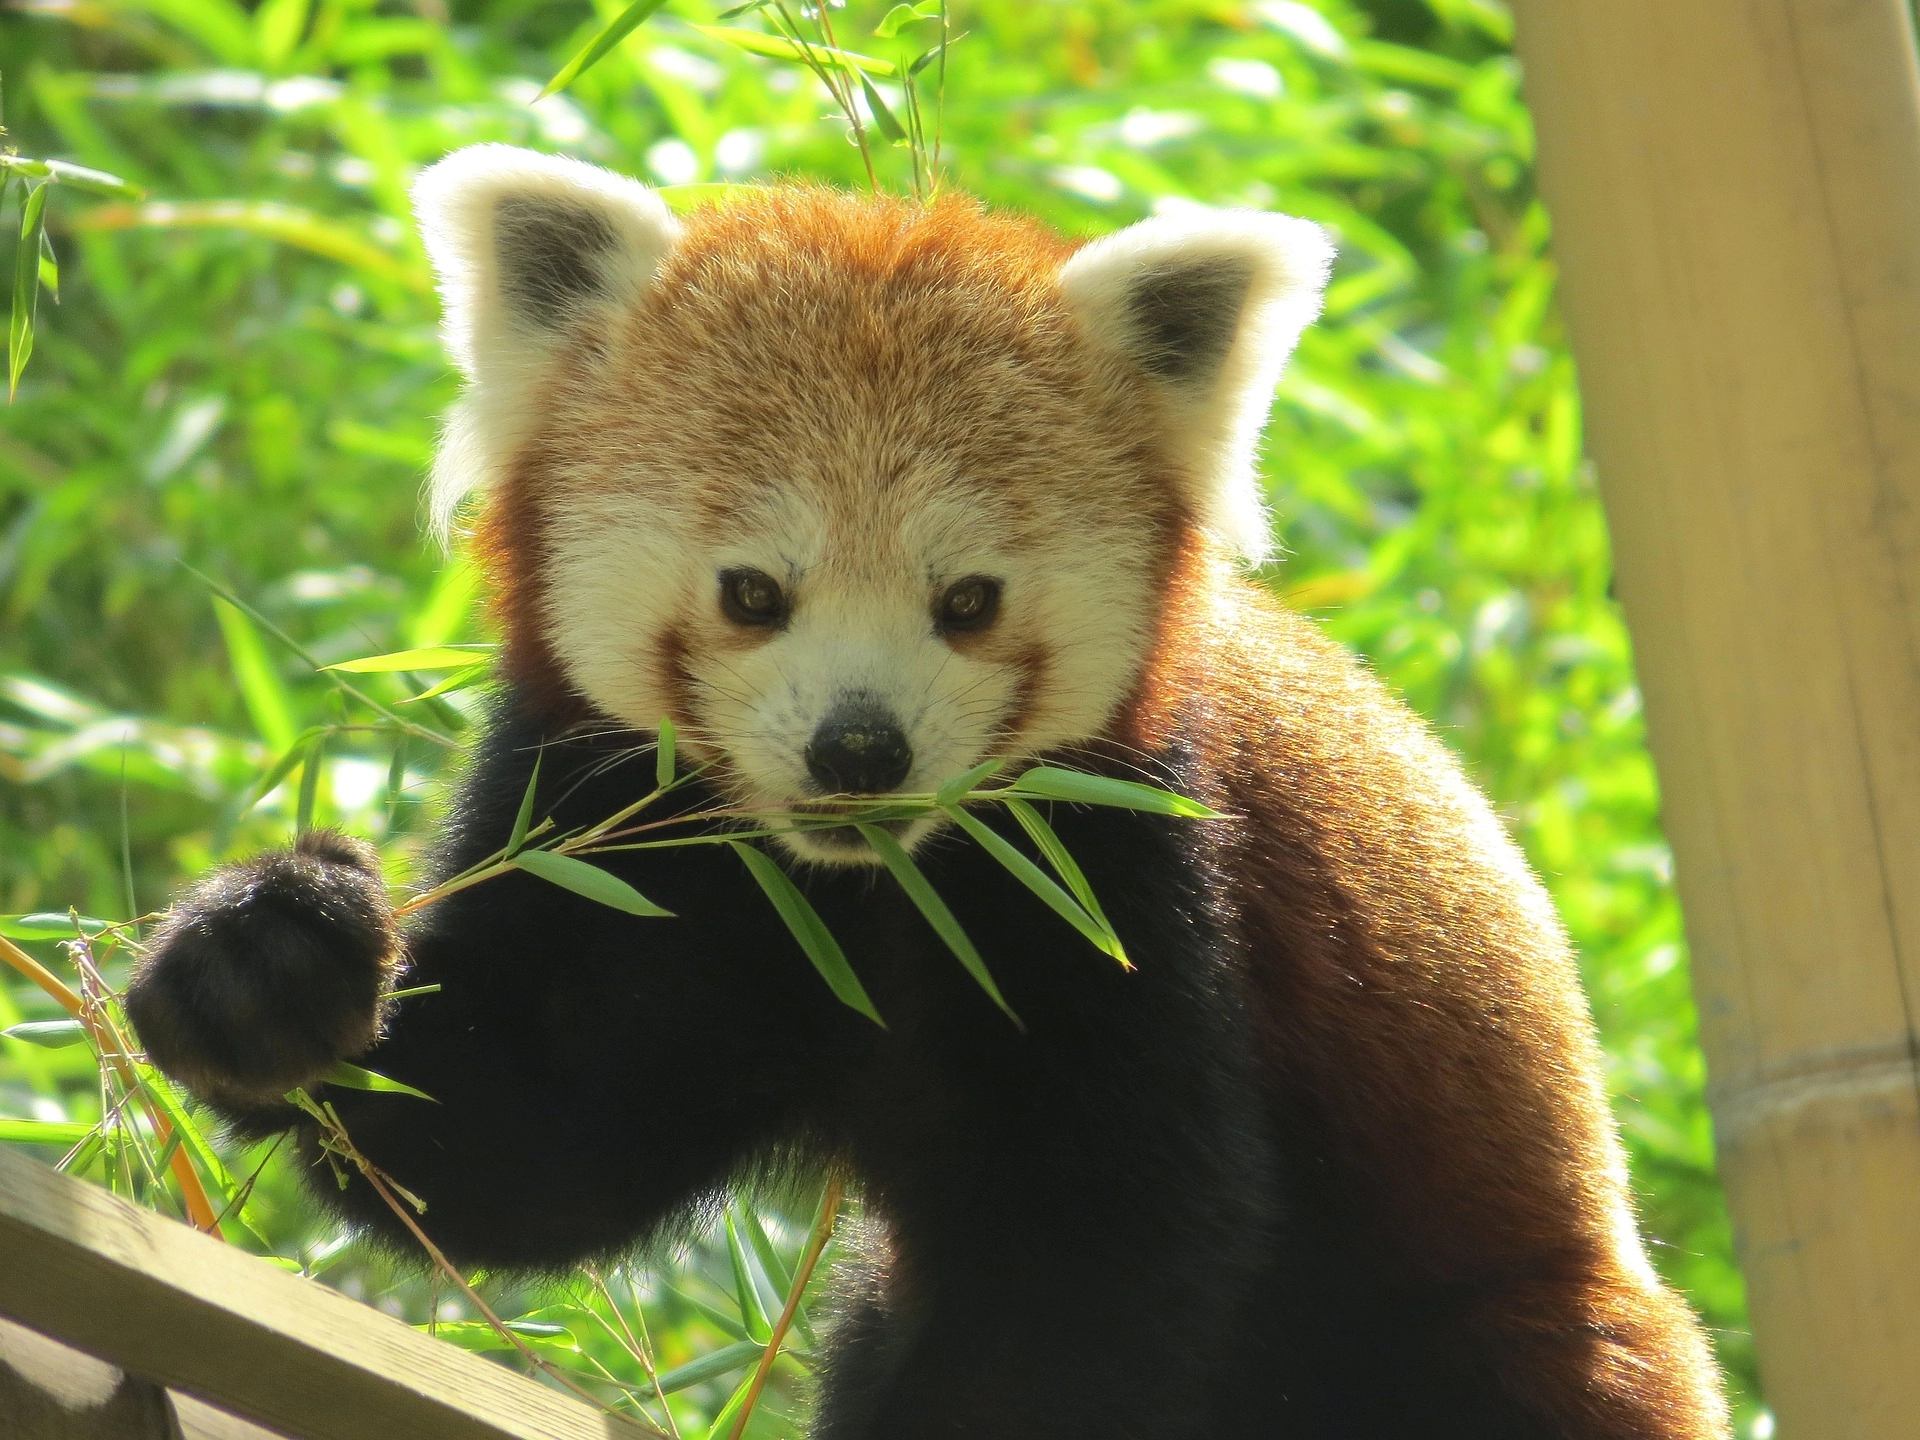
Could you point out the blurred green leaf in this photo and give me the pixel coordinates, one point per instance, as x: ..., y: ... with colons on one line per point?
x: 779, y: 47
x: 595, y: 50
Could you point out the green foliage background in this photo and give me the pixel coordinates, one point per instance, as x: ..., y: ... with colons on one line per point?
x: 243, y: 374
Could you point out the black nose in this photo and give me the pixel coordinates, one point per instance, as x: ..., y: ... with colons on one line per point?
x: 859, y: 749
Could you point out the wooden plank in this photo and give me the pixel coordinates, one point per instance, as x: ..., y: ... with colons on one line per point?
x: 1735, y: 187
x: 51, y: 1392
x: 159, y: 1300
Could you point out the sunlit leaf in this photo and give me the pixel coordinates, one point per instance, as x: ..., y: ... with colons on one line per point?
x: 353, y: 1077
x: 286, y: 224
x: 49, y: 925
x: 426, y: 659
x: 1044, y: 782
x: 596, y: 49
x: 48, y: 1034
x: 261, y: 688
x: 46, y: 1132
x: 746, y: 1294
x: 883, y: 117
x: 779, y: 47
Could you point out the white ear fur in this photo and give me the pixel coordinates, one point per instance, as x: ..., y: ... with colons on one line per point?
x: 1210, y: 303
x: 523, y: 244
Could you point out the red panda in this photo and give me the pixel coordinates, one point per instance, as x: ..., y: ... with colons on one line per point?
x: 859, y: 493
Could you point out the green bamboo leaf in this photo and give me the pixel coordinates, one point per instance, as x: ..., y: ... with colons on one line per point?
x: 26, y: 285
x: 480, y: 1337
x: 769, y: 1257
x: 589, y: 880
x: 960, y: 786
x: 49, y: 267
x: 723, y: 1361
x: 927, y: 900
x: 353, y: 1077
x: 1045, y: 782
x: 746, y: 1294
x: 895, y: 19
x: 1064, y: 865
x: 261, y: 688
x: 284, y: 224
x: 738, y: 10
x: 225, y: 1188
x: 311, y: 769
x: 779, y: 47
x: 1037, y: 880
x: 43, y: 1132
x: 282, y: 767
x: 806, y: 926
x: 93, y: 182
x: 663, y: 754
x: 428, y: 658
x: 883, y: 117
x: 49, y: 925
x: 48, y: 1034
x: 596, y: 49
x: 524, y: 819
x: 459, y: 680
x: 726, y: 1421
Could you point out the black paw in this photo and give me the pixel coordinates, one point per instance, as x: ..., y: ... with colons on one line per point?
x: 268, y: 972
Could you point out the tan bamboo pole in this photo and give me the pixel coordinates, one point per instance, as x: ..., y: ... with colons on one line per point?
x: 1735, y: 187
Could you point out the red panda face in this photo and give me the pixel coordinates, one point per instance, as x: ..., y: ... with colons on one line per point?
x: 858, y: 493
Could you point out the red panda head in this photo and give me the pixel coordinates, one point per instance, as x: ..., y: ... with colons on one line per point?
x: 858, y: 492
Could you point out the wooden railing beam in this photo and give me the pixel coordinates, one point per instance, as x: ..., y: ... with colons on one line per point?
x: 163, y: 1302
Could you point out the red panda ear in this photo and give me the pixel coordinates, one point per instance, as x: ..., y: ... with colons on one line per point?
x: 523, y: 245
x: 1209, y: 304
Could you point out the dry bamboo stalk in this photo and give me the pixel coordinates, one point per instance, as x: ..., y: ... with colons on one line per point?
x: 1736, y: 195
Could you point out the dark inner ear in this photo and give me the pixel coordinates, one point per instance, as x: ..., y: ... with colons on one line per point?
x: 549, y: 252
x: 1184, y: 319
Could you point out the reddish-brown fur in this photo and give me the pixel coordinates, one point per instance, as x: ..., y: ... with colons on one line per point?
x: 1423, y: 1020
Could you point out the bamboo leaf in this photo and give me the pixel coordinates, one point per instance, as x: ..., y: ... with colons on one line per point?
x: 897, y: 18
x: 1037, y: 880
x: 56, y: 1132
x: 806, y: 926
x: 1064, y: 865
x: 26, y: 285
x: 48, y: 1034
x: 1045, y: 782
x: 261, y: 688
x: 596, y: 49
x: 960, y: 786
x: 776, y: 1269
x: 586, y: 879
x: 663, y: 755
x: 753, y: 1314
x: 524, y: 819
x: 459, y: 680
x: 883, y: 117
x: 353, y: 1077
x: 723, y: 1361
x: 724, y: 1423
x: 779, y: 47
x: 428, y: 658
x: 49, y: 925
x: 285, y: 224
x: 311, y: 769
x: 927, y: 900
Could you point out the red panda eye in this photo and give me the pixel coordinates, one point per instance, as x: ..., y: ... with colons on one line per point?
x: 969, y: 604
x: 752, y: 597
